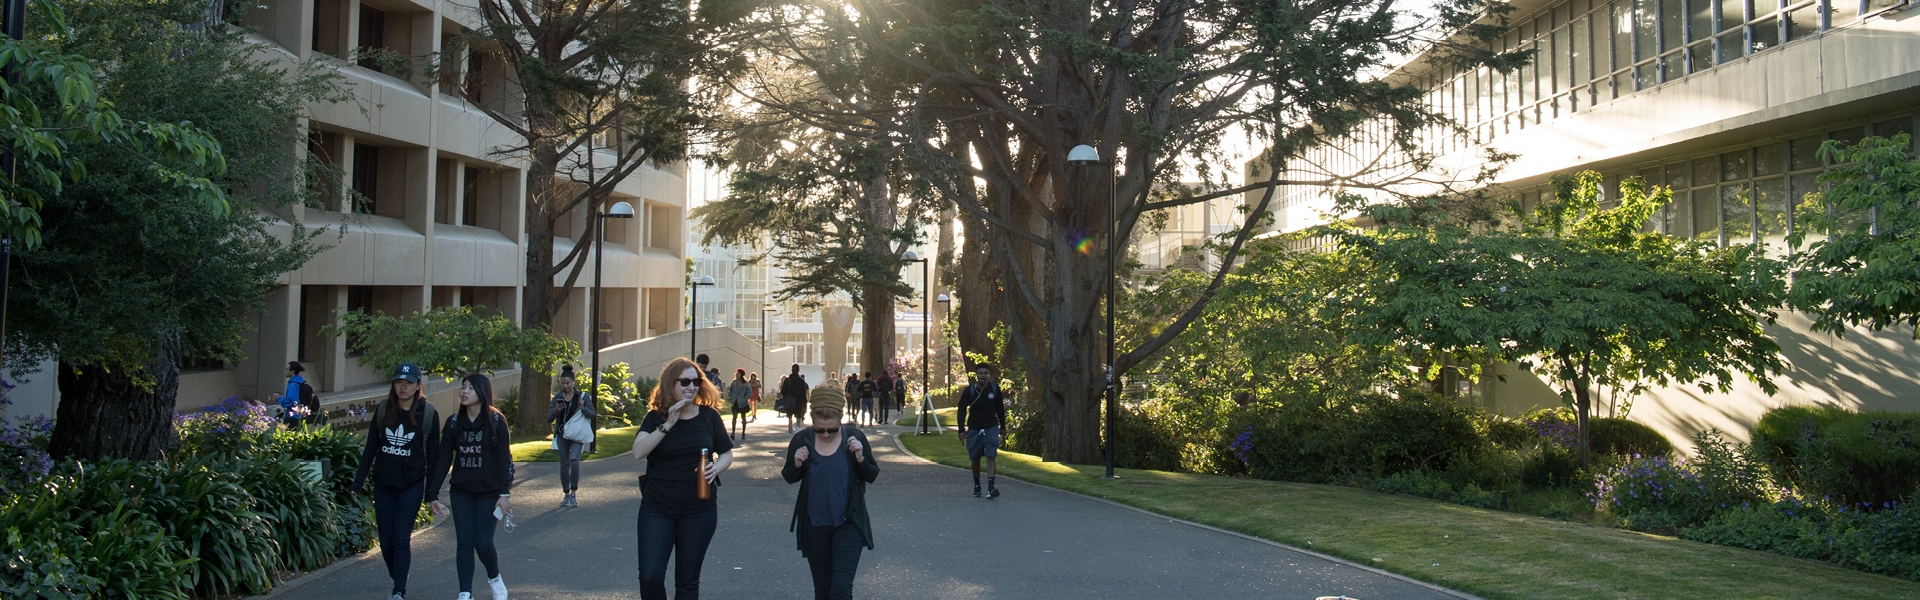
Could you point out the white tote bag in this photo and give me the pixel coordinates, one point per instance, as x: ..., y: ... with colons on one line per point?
x: 579, y: 429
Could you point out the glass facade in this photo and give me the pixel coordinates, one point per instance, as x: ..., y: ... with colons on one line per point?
x: 1589, y: 52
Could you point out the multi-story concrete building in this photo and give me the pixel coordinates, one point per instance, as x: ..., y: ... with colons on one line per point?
x: 437, y: 215
x: 1725, y: 101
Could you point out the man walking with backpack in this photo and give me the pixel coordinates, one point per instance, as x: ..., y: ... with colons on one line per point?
x: 883, y: 396
x: 793, y: 396
x: 983, y: 415
x: 299, y: 403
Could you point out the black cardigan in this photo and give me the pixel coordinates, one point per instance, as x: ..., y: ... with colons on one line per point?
x: 864, y: 473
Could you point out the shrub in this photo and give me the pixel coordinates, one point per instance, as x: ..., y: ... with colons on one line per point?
x: 1357, y: 439
x: 234, y: 426
x: 23, y: 453
x: 1152, y: 436
x: 1427, y: 484
x: 298, y: 514
x: 1622, y: 437
x: 1661, y: 495
x: 1509, y: 433
x: 62, y: 548
x: 1856, y: 459
x: 1885, y: 541
x: 1549, y: 466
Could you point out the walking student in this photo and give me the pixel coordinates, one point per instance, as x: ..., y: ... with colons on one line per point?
x: 831, y: 463
x: 679, y: 511
x: 852, y: 388
x: 868, y: 390
x: 883, y: 395
x: 983, y: 414
x: 712, y: 373
x: 793, y: 391
x: 568, y: 401
x: 740, y: 399
x: 401, y: 440
x: 753, y: 381
x: 477, y: 450
x: 299, y: 398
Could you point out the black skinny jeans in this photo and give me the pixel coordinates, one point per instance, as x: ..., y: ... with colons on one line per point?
x: 684, y: 539
x: 473, y: 528
x: 833, y: 554
x: 570, y: 463
x: 394, y: 510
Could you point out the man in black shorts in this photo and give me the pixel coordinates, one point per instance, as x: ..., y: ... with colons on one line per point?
x: 983, y: 414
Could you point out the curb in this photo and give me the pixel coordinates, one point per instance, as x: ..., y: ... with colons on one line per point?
x: 1334, y: 559
x: 343, y: 563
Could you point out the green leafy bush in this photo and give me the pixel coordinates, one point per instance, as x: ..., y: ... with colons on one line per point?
x: 1862, y: 460
x: 1661, y: 495
x: 1152, y: 436
x: 62, y: 547
x: 1885, y: 541
x: 1427, y: 484
x: 1356, y: 439
x: 1622, y: 437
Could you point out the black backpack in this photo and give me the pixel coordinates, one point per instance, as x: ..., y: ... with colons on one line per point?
x: 311, y: 400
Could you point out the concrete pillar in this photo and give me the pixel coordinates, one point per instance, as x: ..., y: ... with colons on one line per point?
x: 335, y: 355
x: 277, y: 340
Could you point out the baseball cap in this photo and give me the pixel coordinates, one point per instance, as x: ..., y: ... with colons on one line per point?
x: 407, y: 371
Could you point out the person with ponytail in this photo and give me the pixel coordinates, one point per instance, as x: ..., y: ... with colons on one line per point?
x: 679, y: 511
x: 401, y: 440
x: 567, y: 401
x: 477, y: 450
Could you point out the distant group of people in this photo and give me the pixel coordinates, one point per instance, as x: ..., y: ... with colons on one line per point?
x: 411, y: 456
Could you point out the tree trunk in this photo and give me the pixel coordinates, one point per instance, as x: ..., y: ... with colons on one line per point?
x: 104, y: 414
x: 538, y: 299
x: 1075, y: 355
x: 1583, y: 406
x: 876, y: 331
x: 979, y: 288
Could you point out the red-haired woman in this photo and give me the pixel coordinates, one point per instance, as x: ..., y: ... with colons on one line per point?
x: 682, y: 428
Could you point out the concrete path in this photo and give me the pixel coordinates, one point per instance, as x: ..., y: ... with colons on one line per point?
x: 934, y: 540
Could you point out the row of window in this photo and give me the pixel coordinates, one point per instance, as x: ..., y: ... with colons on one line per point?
x: 1592, y: 51
x: 1749, y: 194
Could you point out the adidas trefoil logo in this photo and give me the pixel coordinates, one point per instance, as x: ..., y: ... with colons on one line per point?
x: 398, y: 438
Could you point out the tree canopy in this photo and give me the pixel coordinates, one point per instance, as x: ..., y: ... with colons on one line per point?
x: 1573, y: 290
x: 1863, y: 265
x: 452, y: 342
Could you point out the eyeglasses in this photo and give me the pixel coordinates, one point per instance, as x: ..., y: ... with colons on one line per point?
x: 826, y: 430
x: 684, y: 382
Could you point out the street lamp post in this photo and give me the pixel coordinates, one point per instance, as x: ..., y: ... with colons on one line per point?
x: 764, y: 375
x: 926, y: 353
x: 946, y: 376
x: 620, y: 210
x: 693, y: 317
x: 1086, y: 156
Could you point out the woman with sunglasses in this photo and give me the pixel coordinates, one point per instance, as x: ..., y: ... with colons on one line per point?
x: 682, y: 427
x: 833, y: 466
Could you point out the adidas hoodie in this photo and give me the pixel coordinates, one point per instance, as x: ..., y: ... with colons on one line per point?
x: 400, y: 456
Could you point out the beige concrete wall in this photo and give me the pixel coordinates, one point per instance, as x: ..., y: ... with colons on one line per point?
x: 1863, y: 370
x: 726, y: 348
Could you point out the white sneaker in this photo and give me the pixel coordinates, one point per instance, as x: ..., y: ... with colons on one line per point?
x: 464, y: 596
x: 499, y: 585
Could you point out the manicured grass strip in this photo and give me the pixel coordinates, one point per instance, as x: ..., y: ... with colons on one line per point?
x: 613, y: 442
x: 1492, y: 554
x: 946, y: 416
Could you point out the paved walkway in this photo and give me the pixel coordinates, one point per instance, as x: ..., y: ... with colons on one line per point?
x: 934, y: 540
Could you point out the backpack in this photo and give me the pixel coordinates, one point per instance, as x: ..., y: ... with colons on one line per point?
x: 311, y: 400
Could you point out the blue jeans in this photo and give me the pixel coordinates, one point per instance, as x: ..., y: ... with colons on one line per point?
x: 833, y: 555
x: 394, y: 510
x: 685, y: 539
x: 570, y: 464
x: 473, y: 528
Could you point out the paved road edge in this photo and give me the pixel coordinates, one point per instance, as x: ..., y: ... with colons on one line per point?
x: 1335, y: 559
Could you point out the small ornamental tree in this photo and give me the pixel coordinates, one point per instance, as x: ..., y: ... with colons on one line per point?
x: 451, y: 342
x: 1578, y: 292
x: 1866, y: 270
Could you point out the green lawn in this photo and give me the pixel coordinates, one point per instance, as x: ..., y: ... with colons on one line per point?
x: 1489, y: 553
x: 613, y: 442
x: 946, y: 416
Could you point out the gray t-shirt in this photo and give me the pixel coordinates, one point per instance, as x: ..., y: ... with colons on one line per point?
x: 827, y: 483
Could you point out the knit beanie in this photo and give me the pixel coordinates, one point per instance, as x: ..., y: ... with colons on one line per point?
x: 827, y: 396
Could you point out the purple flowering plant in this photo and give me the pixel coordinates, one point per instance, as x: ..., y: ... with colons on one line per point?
x: 23, y: 447
x: 1243, y: 445
x: 233, y: 425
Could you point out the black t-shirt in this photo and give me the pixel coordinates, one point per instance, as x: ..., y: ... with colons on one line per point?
x: 672, y: 466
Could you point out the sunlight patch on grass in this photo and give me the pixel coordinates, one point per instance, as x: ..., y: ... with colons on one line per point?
x: 612, y: 442
x: 1489, y: 553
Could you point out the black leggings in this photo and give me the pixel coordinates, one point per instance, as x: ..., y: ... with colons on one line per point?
x: 833, y: 554
x: 394, y: 510
x: 684, y: 539
x: 473, y: 528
